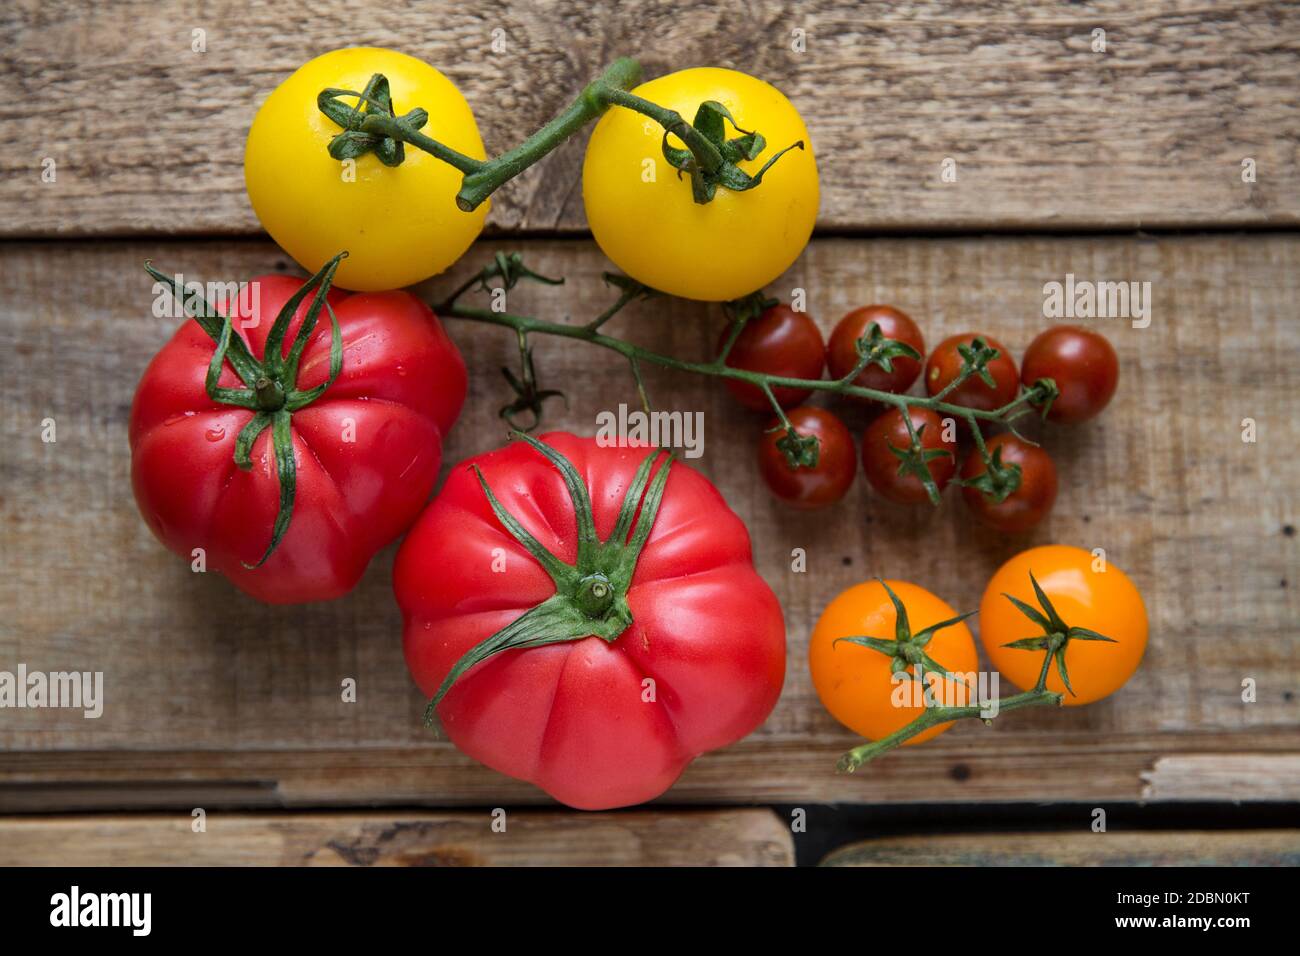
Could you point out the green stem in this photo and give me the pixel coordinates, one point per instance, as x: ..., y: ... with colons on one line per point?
x: 484, y: 177
x: 982, y: 448
x: 451, y: 308
x: 776, y: 407
x: 270, y: 394
x: 511, y: 268
x: 381, y: 124
x: 640, y: 384
x: 733, y: 333
x: 1024, y: 398
x: 629, y: 293
x: 706, y: 154
x: 480, y: 183
x: 863, y: 362
x: 1041, y: 684
x: 933, y: 716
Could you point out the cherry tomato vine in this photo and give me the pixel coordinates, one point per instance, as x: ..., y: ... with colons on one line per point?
x: 800, y: 449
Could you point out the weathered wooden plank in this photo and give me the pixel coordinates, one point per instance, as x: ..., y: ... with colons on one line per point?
x: 210, y: 695
x: 1235, y: 777
x: 1007, y: 766
x: 147, y: 135
x: 517, y: 838
x: 1115, y: 848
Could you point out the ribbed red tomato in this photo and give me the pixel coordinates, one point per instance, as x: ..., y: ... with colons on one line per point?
x: 365, y: 451
x: 587, y: 652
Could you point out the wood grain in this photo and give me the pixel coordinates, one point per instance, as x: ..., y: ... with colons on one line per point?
x: 530, y: 838
x: 1020, y: 765
x: 211, y: 697
x: 1234, y: 777
x: 147, y: 135
x: 1116, y: 848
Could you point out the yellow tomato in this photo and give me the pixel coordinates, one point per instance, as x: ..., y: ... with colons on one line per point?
x: 400, y: 224
x: 856, y: 684
x: 1103, y: 601
x: 645, y: 218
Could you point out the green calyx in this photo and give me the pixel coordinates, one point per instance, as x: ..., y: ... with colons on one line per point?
x: 270, y: 386
x: 1056, y: 636
x: 907, y: 651
x: 1042, y: 393
x: 915, y: 459
x: 998, y: 481
x: 975, y: 360
x: 875, y: 348
x: 356, y: 140
x: 590, y: 598
x: 800, y: 450
x: 710, y: 169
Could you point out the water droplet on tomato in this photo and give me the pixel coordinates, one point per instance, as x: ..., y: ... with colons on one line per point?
x: 215, y: 433
x: 178, y: 417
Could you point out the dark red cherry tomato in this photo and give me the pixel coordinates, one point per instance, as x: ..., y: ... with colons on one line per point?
x: 780, y: 341
x: 809, y: 487
x: 881, y: 464
x: 1029, y: 502
x: 1081, y: 362
x: 842, y: 351
x: 945, y: 363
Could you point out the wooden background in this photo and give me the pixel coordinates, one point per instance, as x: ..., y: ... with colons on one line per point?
x: 214, y: 701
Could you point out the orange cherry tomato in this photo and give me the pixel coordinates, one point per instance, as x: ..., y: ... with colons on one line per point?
x: 856, y: 684
x: 1102, y: 601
